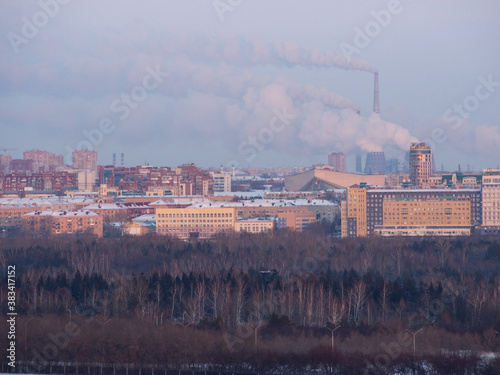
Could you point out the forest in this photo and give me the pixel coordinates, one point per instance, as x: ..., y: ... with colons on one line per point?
x: 284, y: 302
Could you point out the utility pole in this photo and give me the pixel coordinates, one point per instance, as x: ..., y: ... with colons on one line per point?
x: 103, y: 323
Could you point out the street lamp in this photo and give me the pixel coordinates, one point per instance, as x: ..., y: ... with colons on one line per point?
x: 185, y: 339
x: 103, y: 323
x: 414, y: 334
x: 332, y: 330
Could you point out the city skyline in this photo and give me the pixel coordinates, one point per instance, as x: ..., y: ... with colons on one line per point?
x: 224, y: 86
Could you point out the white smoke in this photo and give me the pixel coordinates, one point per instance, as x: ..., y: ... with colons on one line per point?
x: 246, y: 51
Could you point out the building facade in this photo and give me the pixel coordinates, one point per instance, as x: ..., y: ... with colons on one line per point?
x: 222, y: 182
x: 43, y: 223
x: 256, y: 225
x: 491, y: 201
x: 365, y: 209
x: 44, y: 161
x: 421, y: 164
x: 85, y: 160
x: 193, y: 222
x: 338, y: 161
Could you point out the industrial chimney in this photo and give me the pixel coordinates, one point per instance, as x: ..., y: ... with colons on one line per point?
x: 376, y: 107
x: 123, y: 159
x: 114, y: 159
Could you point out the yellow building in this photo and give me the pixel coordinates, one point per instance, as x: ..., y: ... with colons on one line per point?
x: 257, y: 225
x: 425, y: 218
x: 192, y: 222
x: 353, y: 212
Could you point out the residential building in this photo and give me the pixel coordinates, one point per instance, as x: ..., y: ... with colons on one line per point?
x: 43, y: 223
x: 21, y: 166
x: 421, y: 165
x: 338, y: 161
x: 85, y: 160
x: 365, y: 210
x: 255, y: 225
x: 222, y: 182
x: 354, y: 212
x: 446, y: 217
x: 44, y: 161
x: 491, y: 201
x: 296, y: 221
x: 120, y: 212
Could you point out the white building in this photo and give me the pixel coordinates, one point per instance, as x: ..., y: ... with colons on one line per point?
x: 491, y: 201
x: 222, y: 182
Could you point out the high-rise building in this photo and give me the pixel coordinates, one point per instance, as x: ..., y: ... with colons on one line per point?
x: 85, y: 160
x: 421, y: 164
x: 359, y: 167
x: 337, y: 161
x: 491, y: 201
x: 21, y: 166
x: 222, y: 182
x: 43, y: 161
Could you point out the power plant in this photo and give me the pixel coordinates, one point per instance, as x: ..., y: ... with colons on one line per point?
x: 375, y: 163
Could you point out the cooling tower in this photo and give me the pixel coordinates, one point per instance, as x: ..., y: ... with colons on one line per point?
x: 375, y: 163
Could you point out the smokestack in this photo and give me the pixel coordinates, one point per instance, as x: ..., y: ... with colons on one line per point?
x: 114, y: 159
x: 376, y: 106
x: 123, y: 159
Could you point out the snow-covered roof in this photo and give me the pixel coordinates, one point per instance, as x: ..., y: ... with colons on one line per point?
x: 117, y: 206
x: 265, y: 203
x: 63, y: 213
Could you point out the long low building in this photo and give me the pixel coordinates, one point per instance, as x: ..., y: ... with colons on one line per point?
x: 63, y: 222
x: 324, y: 179
x: 392, y: 212
x: 203, y: 218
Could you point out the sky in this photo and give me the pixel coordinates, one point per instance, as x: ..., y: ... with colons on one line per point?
x: 251, y: 82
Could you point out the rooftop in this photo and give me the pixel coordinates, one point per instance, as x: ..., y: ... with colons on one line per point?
x: 63, y: 213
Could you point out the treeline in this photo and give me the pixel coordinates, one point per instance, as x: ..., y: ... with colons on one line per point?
x: 237, y: 295
x: 228, y: 299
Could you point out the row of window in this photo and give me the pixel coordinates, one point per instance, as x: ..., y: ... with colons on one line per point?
x: 196, y: 215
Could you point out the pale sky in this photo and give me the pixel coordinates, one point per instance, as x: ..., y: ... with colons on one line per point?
x: 250, y: 82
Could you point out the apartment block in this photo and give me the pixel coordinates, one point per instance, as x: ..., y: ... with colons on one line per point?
x: 296, y: 221
x: 367, y: 211
x: 44, y: 161
x: 491, y: 201
x: 43, y: 223
x: 256, y: 225
x: 222, y: 182
x: 338, y: 161
x: 354, y: 212
x: 421, y: 164
x: 420, y: 218
x: 85, y: 160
